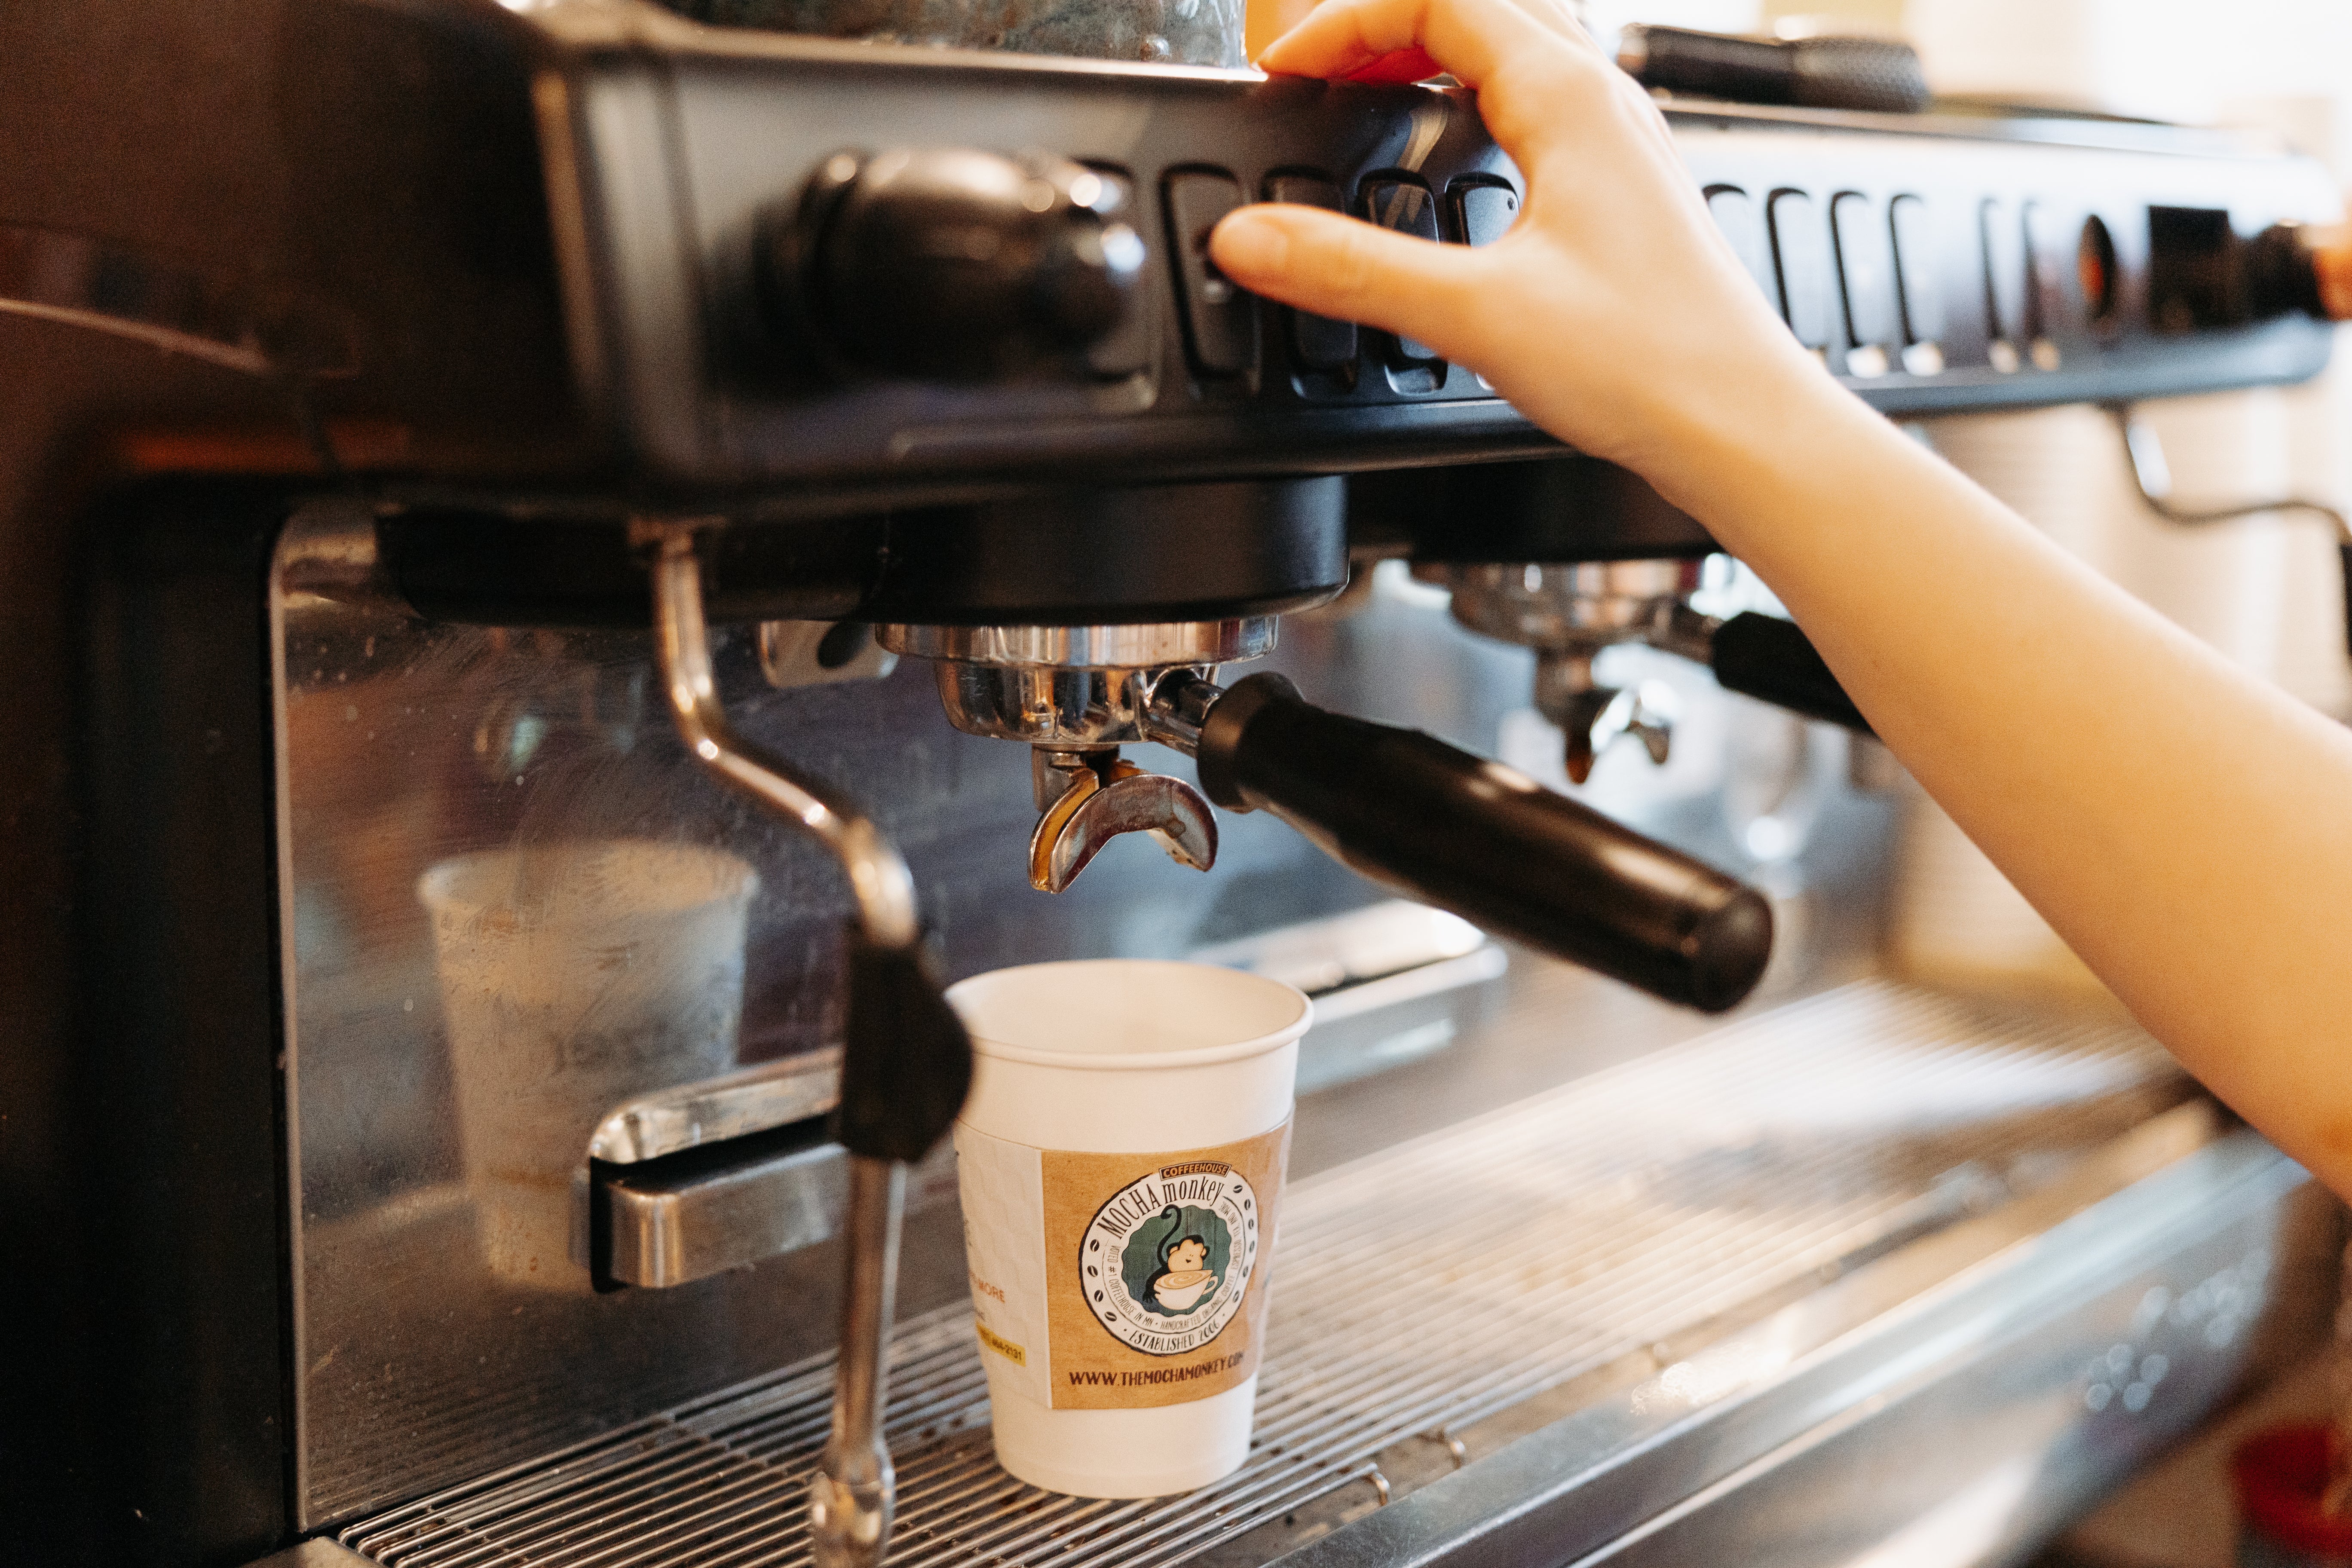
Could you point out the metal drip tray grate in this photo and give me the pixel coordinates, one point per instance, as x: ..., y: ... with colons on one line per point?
x: 1415, y: 1291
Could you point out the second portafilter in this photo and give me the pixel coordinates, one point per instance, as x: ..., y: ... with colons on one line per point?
x: 1569, y: 557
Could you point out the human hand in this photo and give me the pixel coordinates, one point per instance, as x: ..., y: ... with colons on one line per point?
x: 1614, y: 314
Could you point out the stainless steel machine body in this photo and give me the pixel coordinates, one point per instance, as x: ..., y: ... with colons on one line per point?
x: 357, y: 367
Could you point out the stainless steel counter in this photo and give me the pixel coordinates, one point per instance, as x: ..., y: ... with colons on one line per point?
x: 1871, y: 1266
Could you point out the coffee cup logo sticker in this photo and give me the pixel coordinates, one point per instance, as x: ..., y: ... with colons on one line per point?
x: 1167, y: 1258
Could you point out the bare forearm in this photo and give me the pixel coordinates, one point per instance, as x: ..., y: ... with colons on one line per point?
x: 2186, y: 827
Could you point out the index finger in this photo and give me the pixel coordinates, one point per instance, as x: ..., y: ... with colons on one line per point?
x: 1469, y: 38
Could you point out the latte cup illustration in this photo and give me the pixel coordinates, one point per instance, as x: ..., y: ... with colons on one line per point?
x: 1120, y: 1256
x: 1182, y: 1277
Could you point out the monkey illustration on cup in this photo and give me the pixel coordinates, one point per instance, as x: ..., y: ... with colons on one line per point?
x: 1182, y: 1277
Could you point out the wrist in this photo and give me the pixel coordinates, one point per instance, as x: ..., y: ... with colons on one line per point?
x: 1738, y: 455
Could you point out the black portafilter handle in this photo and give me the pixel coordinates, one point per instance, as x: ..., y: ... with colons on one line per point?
x: 1773, y: 660
x: 906, y: 1060
x: 1881, y: 75
x: 1488, y: 843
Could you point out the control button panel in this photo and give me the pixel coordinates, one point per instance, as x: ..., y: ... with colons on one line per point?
x: 1220, y: 320
x: 1865, y: 283
x: 1408, y: 207
x: 933, y: 324
x: 1318, y: 343
x: 1800, y: 256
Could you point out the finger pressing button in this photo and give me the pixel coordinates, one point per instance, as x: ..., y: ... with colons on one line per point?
x: 1220, y: 320
x: 1408, y: 207
x: 1318, y: 342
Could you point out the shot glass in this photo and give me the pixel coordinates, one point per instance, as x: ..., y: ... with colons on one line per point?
x: 573, y: 976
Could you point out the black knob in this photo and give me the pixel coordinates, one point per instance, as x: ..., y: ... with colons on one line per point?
x: 952, y: 264
x: 1873, y: 74
x: 2280, y: 274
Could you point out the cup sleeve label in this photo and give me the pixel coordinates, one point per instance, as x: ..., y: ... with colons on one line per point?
x: 1137, y: 1279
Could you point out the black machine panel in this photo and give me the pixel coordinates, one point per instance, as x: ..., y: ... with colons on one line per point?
x: 1938, y: 265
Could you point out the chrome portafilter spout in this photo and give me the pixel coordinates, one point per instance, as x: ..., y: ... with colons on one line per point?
x: 1075, y: 696
x: 906, y: 1059
x: 1403, y: 807
x: 1568, y: 612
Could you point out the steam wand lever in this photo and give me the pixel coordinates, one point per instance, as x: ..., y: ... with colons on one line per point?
x: 2152, y: 478
x: 906, y: 1059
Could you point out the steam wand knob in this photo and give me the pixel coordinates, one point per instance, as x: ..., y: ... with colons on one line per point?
x: 951, y: 264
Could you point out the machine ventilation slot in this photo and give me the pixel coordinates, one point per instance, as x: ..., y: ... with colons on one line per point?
x: 1418, y: 1292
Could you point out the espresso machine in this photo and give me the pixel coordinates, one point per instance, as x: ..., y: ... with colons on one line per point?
x: 530, y: 527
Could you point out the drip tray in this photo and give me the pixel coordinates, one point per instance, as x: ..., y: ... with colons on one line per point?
x: 1551, y: 1268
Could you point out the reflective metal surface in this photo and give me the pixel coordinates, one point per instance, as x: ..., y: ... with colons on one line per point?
x: 1041, y: 705
x: 1142, y: 646
x: 671, y: 1223
x: 689, y: 1115
x: 879, y: 884
x: 1568, y: 611
x: 1103, y: 799
x: 1605, y: 1269
x: 404, y: 744
x: 1560, y: 604
x: 1391, y: 984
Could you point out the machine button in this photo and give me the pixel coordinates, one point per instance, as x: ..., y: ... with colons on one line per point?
x: 2046, y: 260
x: 1487, y: 211
x: 2003, y: 237
x: 1867, y: 276
x: 1743, y: 225
x: 1917, y: 286
x: 1800, y: 251
x: 1407, y: 208
x: 1127, y: 351
x: 1220, y: 320
x: 1317, y: 342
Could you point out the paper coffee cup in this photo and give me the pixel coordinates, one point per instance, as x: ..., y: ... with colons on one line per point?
x: 573, y: 976
x: 1121, y: 1160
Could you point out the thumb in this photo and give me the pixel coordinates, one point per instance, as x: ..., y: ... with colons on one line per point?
x: 1349, y: 271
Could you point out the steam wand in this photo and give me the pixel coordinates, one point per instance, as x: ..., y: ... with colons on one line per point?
x: 906, y: 1060
x: 2152, y: 478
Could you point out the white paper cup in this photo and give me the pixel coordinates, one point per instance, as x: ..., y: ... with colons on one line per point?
x: 1120, y: 1159
x: 573, y: 976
